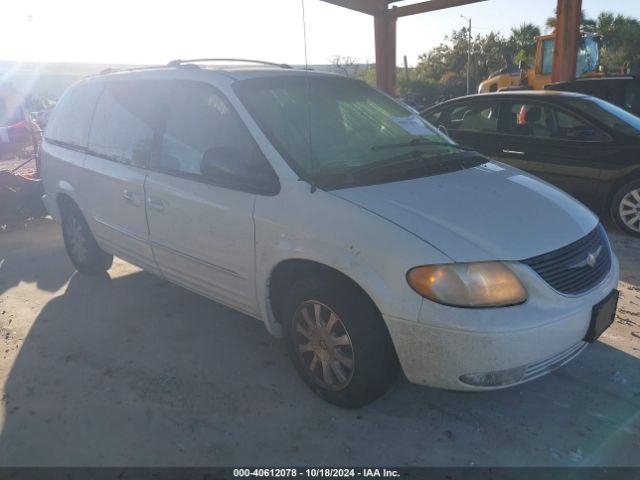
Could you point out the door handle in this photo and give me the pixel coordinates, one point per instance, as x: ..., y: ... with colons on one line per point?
x: 156, y: 204
x: 513, y: 152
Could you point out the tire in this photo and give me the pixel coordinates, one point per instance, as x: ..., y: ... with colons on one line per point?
x: 625, y: 208
x: 355, y: 351
x: 81, y: 245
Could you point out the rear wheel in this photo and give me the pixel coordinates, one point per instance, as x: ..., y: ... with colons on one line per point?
x: 625, y: 208
x: 81, y: 245
x: 338, y: 341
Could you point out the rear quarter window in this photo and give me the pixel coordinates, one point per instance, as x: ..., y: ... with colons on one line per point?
x: 71, y: 118
x: 475, y: 117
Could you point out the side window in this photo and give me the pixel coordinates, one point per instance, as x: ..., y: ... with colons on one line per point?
x: 547, y: 57
x: 475, y: 117
x: 434, y: 118
x: 528, y: 120
x: 125, y: 121
x: 456, y: 116
x: 71, y: 119
x: 570, y: 127
x: 205, y: 138
x: 544, y: 121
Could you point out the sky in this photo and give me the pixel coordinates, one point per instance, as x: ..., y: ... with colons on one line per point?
x: 149, y: 32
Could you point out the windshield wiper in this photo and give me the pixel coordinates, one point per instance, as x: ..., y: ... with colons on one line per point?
x: 398, y: 166
x: 418, y: 142
x: 408, y: 161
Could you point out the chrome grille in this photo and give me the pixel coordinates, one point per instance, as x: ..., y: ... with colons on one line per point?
x: 567, y: 269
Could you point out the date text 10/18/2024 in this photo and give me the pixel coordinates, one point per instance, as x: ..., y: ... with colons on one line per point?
x: 316, y: 472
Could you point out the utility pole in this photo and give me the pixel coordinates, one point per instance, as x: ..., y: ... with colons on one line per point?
x: 468, y: 57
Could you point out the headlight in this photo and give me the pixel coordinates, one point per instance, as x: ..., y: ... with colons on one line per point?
x: 485, y: 284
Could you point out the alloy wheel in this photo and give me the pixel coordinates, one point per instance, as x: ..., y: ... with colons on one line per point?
x: 629, y: 210
x: 323, y: 345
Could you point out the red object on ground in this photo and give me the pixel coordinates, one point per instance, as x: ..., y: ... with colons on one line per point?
x: 30, y: 175
x: 21, y: 124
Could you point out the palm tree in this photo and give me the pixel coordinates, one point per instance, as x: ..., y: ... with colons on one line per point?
x: 522, y: 41
x: 586, y: 24
x: 620, y: 34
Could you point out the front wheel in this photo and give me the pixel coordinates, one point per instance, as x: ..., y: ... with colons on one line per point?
x: 338, y: 342
x: 625, y: 208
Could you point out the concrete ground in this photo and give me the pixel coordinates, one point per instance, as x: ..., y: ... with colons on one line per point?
x: 127, y: 369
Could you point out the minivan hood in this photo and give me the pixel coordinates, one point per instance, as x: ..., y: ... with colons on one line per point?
x: 490, y: 212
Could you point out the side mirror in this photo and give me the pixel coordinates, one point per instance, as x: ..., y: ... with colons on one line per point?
x: 231, y: 166
x: 224, y: 163
x: 443, y: 129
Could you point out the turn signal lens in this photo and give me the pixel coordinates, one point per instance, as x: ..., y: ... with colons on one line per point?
x: 485, y: 284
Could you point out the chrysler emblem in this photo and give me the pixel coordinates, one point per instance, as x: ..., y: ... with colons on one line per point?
x: 590, y: 261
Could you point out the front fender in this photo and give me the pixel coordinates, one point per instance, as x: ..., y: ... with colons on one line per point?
x: 319, y: 227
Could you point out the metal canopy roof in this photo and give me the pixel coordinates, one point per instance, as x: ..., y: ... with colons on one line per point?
x: 384, y: 7
x: 386, y: 15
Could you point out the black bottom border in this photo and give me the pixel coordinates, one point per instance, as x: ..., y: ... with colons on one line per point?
x: 400, y: 473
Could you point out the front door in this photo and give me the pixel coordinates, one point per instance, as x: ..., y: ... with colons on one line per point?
x: 201, y: 227
x: 555, y: 145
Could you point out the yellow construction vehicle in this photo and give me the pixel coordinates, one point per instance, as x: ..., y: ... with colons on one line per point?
x: 525, y: 77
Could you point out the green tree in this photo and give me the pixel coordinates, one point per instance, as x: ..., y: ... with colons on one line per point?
x: 488, y: 53
x: 620, y: 40
x: 420, y: 93
x: 586, y: 24
x: 522, y: 42
x: 441, y: 72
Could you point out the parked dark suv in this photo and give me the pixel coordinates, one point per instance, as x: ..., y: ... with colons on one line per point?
x: 586, y: 146
x: 622, y: 91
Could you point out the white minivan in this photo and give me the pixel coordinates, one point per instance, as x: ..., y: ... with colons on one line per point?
x: 348, y: 225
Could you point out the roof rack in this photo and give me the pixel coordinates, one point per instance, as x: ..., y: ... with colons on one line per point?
x: 127, y: 69
x: 179, y: 62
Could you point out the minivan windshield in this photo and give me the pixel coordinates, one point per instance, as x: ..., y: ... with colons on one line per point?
x: 616, y: 118
x: 332, y: 128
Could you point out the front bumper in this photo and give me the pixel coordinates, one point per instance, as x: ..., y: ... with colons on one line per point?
x: 536, y: 337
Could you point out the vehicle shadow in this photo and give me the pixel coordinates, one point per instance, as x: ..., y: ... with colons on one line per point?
x: 43, y: 263
x: 135, y: 371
